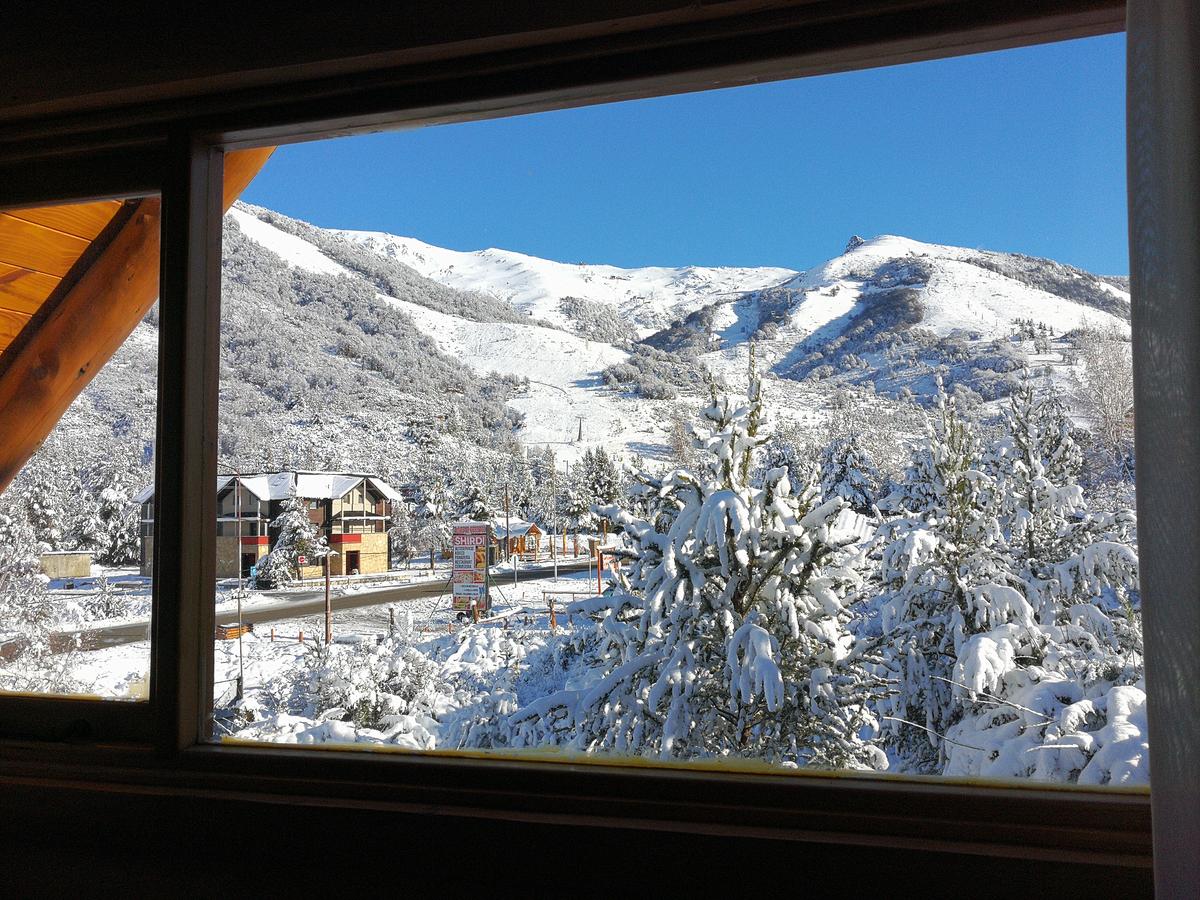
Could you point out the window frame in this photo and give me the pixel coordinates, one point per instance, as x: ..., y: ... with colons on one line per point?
x: 1073, y: 825
x: 78, y: 178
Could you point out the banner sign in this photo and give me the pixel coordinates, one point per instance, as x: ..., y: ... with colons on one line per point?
x: 470, y: 581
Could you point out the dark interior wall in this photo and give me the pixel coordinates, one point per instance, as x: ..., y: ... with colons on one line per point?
x: 140, y: 50
x: 138, y: 845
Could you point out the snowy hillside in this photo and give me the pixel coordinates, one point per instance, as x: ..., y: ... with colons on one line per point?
x: 337, y: 351
x: 563, y: 370
x: 646, y: 298
x: 886, y: 314
x: 889, y: 310
x: 564, y: 381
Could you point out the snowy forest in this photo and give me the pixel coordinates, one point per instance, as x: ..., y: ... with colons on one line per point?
x: 974, y: 615
x: 906, y: 545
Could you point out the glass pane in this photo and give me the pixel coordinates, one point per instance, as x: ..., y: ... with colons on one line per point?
x: 78, y: 340
x: 737, y: 488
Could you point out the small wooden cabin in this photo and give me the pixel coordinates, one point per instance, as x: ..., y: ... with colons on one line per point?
x: 519, y: 536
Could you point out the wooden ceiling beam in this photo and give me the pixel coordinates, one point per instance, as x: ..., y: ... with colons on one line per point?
x: 58, y: 353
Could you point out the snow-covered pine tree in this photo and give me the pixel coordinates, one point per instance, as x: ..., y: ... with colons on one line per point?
x: 473, y: 502
x: 117, y: 523
x: 575, y: 506
x: 1069, y: 706
x: 729, y: 635
x: 297, y: 536
x: 401, y: 544
x: 519, y: 480
x: 846, y: 471
x: 433, y: 529
x: 546, y: 488
x: 27, y: 620
x: 945, y: 579
x: 604, y: 481
x: 38, y: 497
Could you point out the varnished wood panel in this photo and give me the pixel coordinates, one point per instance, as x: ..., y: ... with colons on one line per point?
x: 35, y: 247
x: 77, y: 338
x: 82, y: 220
x: 22, y: 290
x: 11, y: 324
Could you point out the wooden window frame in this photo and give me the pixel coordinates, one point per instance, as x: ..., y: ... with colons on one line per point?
x: 79, y: 178
x: 1009, y: 820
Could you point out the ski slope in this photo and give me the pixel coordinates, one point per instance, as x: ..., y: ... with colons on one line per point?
x: 647, y: 298
x: 564, y: 381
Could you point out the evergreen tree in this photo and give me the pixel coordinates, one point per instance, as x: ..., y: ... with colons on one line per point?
x: 729, y: 635
x: 39, y: 499
x: 944, y: 577
x: 433, y: 530
x: 400, y: 534
x: 473, y: 503
x: 27, y: 614
x: 576, y: 507
x: 546, y: 489
x: 297, y: 536
x: 846, y: 471
x: 1066, y: 705
x: 117, y: 524
x: 604, y: 482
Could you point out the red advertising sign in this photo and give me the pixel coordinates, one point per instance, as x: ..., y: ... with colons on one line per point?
x: 470, y: 582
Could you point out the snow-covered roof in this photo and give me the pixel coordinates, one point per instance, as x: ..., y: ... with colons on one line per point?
x: 516, y: 528
x: 310, y: 485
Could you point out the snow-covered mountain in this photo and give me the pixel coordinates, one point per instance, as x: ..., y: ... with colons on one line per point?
x: 349, y: 349
x: 889, y: 311
x: 646, y: 298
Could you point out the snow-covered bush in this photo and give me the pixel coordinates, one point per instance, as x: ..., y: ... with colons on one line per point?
x: 846, y: 471
x: 1011, y: 609
x: 943, y: 577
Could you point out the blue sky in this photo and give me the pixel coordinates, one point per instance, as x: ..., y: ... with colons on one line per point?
x: 1020, y: 150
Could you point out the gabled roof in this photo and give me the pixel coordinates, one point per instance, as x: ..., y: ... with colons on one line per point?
x: 516, y: 528
x: 268, y: 486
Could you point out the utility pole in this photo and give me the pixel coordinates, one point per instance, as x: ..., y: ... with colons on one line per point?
x: 328, y: 509
x: 237, y: 513
x: 508, y: 537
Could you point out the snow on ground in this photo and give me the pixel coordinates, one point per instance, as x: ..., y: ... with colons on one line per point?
x: 647, y: 297
x: 859, y: 261
x: 293, y: 250
x: 963, y: 297
x: 564, y: 380
x: 121, y: 671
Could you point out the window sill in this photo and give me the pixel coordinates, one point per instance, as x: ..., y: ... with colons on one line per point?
x: 1093, y: 827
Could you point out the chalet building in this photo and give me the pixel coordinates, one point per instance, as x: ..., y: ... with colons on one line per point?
x: 351, y: 509
x: 518, y: 537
